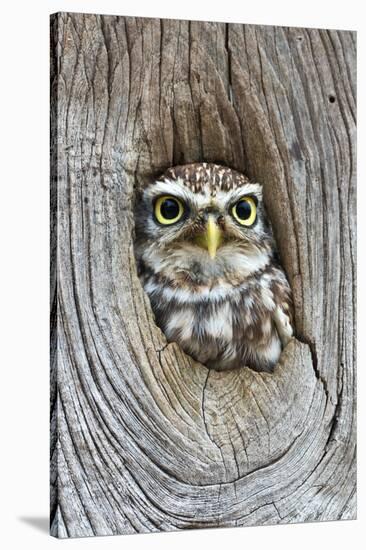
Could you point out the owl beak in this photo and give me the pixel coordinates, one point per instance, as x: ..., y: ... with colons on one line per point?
x: 213, y: 236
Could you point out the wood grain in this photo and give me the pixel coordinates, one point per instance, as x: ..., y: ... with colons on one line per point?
x: 143, y: 438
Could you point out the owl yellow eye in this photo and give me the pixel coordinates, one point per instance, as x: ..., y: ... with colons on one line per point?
x: 245, y: 211
x: 168, y: 210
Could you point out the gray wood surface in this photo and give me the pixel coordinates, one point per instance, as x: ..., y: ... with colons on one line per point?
x: 143, y: 438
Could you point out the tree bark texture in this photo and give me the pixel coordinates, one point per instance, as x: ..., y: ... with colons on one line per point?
x: 143, y: 438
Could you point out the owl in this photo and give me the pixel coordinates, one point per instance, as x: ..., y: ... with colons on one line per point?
x: 207, y: 259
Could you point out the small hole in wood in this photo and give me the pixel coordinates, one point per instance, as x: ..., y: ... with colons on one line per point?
x: 331, y: 98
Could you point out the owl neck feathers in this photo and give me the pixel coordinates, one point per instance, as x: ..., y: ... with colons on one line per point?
x: 190, y: 269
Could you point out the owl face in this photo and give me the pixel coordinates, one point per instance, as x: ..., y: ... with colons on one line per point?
x: 203, y: 221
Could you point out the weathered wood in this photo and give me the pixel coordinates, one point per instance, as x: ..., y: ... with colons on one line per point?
x: 143, y: 438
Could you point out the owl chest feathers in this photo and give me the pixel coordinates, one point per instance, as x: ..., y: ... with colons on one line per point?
x: 234, y: 322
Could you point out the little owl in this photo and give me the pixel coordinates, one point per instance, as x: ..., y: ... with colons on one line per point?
x: 208, y: 262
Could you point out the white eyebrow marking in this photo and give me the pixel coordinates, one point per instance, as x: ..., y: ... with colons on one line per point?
x: 226, y: 197
x: 179, y: 190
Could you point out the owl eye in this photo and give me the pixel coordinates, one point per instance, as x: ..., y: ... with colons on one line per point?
x: 168, y: 210
x: 245, y: 211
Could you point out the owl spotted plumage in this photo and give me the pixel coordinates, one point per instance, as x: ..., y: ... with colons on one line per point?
x: 207, y: 260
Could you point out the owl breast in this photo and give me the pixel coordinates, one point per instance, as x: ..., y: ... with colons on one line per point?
x: 223, y: 327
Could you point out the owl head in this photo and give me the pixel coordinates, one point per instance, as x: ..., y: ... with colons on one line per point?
x: 201, y: 223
